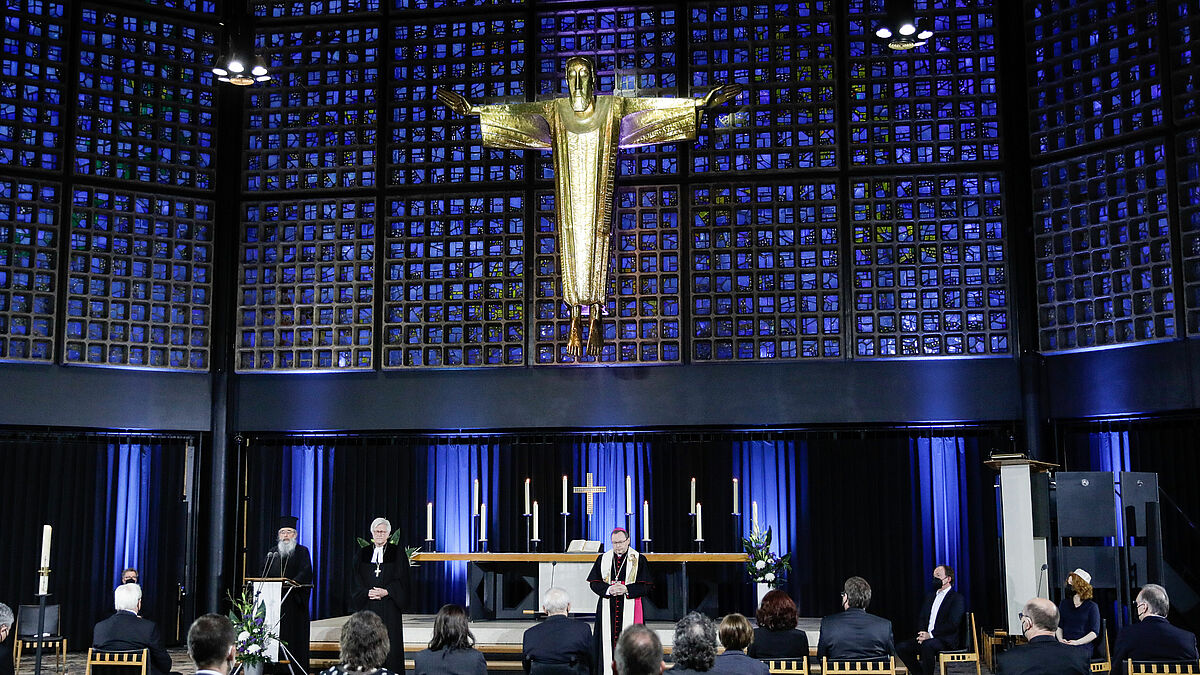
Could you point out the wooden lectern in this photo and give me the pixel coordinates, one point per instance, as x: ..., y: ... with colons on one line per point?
x: 270, y: 592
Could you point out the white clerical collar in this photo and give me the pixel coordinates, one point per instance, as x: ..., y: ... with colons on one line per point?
x: 377, y: 555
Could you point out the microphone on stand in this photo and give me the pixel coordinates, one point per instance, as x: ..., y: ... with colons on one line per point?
x: 267, y: 564
x: 1041, y: 575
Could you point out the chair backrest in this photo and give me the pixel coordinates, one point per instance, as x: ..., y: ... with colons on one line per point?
x: 1101, y: 653
x: 539, y: 668
x: 787, y: 666
x: 107, y: 660
x: 27, y: 621
x: 872, y: 667
x: 970, y: 645
x: 1149, y: 667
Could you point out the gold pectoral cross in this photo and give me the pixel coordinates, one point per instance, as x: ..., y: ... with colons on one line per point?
x: 590, y: 490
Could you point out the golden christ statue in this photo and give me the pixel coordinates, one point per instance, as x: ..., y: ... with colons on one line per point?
x: 584, y: 131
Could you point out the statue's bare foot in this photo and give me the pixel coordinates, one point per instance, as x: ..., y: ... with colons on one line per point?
x: 574, y: 344
x: 595, y: 341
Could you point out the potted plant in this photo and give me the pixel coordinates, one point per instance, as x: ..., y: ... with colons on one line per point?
x: 249, y: 619
x: 766, y: 569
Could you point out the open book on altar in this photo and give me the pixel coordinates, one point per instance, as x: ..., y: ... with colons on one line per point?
x: 583, y: 546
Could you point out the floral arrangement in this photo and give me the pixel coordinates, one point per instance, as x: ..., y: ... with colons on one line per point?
x: 764, y: 566
x: 250, y: 621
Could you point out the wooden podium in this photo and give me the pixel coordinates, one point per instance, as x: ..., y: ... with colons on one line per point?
x: 270, y: 592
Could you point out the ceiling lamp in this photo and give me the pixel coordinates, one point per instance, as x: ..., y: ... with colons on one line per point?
x: 901, y: 30
x: 237, y: 64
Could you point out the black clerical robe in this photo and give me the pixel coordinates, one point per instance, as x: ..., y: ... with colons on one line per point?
x: 391, y: 575
x: 293, y: 620
x: 614, y: 613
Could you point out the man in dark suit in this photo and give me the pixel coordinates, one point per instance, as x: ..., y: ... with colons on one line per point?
x: 940, y: 621
x: 1152, y: 638
x: 1044, y: 655
x: 854, y: 635
x: 125, y: 630
x: 290, y: 559
x: 559, y: 639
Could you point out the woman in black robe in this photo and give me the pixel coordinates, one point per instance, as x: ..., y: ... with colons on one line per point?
x: 381, y: 585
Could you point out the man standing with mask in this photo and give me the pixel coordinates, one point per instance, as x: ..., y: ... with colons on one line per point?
x: 1044, y: 655
x: 940, y: 621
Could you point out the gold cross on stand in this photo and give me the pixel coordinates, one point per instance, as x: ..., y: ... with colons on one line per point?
x: 590, y: 490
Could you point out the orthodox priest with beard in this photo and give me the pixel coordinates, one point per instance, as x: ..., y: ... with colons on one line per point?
x: 381, y: 579
x: 291, y: 560
x: 621, y: 578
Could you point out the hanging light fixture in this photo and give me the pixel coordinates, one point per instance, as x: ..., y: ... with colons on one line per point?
x: 238, y: 64
x: 901, y: 31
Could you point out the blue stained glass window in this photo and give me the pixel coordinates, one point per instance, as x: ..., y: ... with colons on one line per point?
x: 783, y: 53
x: 29, y: 237
x: 442, y: 4
x: 455, y: 282
x: 642, y: 316
x: 1094, y: 71
x: 1103, y: 248
x: 930, y: 266
x: 145, y: 100
x: 313, y: 126
x: 307, y: 286
x: 32, y: 45
x: 1189, y: 218
x: 936, y: 103
x: 634, y: 51
x: 279, y: 9
x: 483, y: 59
x: 190, y: 6
x: 139, y: 280
x: 1184, y: 18
x: 765, y: 271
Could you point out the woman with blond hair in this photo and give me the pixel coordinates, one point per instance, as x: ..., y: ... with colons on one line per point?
x: 736, y: 635
x: 1078, y: 615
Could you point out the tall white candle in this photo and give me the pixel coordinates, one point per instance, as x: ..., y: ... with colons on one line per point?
x: 565, y: 509
x: 535, y: 522
x: 483, y: 522
x: 628, y: 494
x: 526, y: 495
x: 429, y: 521
x: 735, y: 497
x: 693, y: 494
x: 475, y: 497
x: 46, y: 529
x: 753, y: 515
x: 699, y: 524
x: 645, y: 521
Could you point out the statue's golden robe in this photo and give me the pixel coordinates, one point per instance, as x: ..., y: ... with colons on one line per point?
x: 585, y: 158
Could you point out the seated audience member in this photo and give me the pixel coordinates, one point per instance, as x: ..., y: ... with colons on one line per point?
x: 736, y: 634
x: 125, y: 630
x: 364, y: 646
x: 1153, y: 638
x: 452, y: 649
x: 638, y: 652
x: 6, y: 625
x: 940, y: 621
x: 129, y: 576
x: 559, y: 639
x: 776, y: 636
x: 1044, y: 655
x: 854, y: 635
x: 1078, y: 614
x: 695, y: 644
x: 212, y: 644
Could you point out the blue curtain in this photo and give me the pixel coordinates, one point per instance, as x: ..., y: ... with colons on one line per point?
x: 609, y: 461
x: 452, y: 468
x: 305, y: 472
x: 772, y: 474
x: 941, y: 476
x: 129, y: 505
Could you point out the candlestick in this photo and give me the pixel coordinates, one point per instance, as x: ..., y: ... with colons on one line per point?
x: 483, y: 522
x: 475, y: 497
x: 753, y: 516
x: 693, y: 494
x: 46, y: 529
x: 628, y: 494
x: 645, y: 521
x: 735, y: 496
x: 526, y: 496
x: 535, y: 522
x: 428, y: 520
x: 564, y: 502
x: 699, y: 524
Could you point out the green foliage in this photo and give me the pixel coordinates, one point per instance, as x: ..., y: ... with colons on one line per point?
x: 763, y: 565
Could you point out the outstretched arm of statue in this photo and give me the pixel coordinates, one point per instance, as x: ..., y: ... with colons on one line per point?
x: 719, y: 95
x: 456, y: 101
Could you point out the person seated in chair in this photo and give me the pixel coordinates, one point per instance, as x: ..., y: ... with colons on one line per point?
x: 1153, y: 638
x: 212, y: 644
x: 695, y: 645
x: 6, y: 624
x: 777, y: 636
x: 559, y: 639
x: 125, y: 630
x: 854, y: 635
x: 736, y: 634
x: 1044, y: 655
x: 941, y: 624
